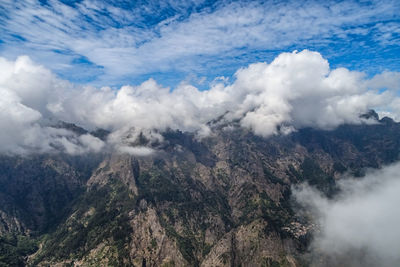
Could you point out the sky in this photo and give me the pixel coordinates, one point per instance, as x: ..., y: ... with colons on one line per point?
x: 114, y: 43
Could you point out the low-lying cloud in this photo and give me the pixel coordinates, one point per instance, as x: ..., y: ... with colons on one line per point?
x: 295, y: 90
x: 360, y: 226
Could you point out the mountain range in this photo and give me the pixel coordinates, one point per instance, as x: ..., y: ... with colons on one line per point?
x: 222, y: 200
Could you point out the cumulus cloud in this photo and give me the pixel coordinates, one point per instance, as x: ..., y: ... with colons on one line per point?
x: 295, y: 90
x: 360, y: 226
x: 28, y: 96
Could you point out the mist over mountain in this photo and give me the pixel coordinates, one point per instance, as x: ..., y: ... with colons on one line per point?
x: 294, y: 91
x: 229, y: 198
x: 358, y: 226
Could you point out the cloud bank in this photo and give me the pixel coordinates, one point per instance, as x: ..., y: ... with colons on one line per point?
x: 360, y: 226
x: 295, y: 90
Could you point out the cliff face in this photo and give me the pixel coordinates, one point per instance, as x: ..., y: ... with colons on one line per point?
x: 35, y: 189
x: 224, y: 200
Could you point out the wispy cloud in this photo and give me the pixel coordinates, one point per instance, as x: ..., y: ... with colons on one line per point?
x: 122, y: 41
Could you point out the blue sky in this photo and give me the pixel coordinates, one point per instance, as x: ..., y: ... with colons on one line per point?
x: 111, y: 43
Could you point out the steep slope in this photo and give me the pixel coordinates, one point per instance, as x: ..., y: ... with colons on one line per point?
x: 224, y: 200
x: 35, y: 194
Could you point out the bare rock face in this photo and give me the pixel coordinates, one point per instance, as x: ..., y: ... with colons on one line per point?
x: 224, y: 200
x: 117, y: 166
x: 249, y: 245
x: 10, y: 224
x: 150, y: 243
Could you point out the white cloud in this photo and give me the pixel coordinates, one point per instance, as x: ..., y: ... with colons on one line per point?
x: 300, y: 89
x: 140, y: 151
x: 29, y: 95
x: 123, y: 47
x: 360, y: 226
x: 295, y: 90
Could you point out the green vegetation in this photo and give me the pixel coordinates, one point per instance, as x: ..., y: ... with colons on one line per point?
x: 314, y: 175
x: 294, y: 174
x: 157, y: 186
x: 206, y: 249
x: 339, y: 167
x: 84, y: 231
x: 153, y: 243
x: 14, y: 249
x: 272, y: 178
x: 171, y: 263
x: 186, y: 244
x: 275, y: 216
x: 269, y: 262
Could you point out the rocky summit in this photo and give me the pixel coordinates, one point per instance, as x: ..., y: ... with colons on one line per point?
x: 221, y: 200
